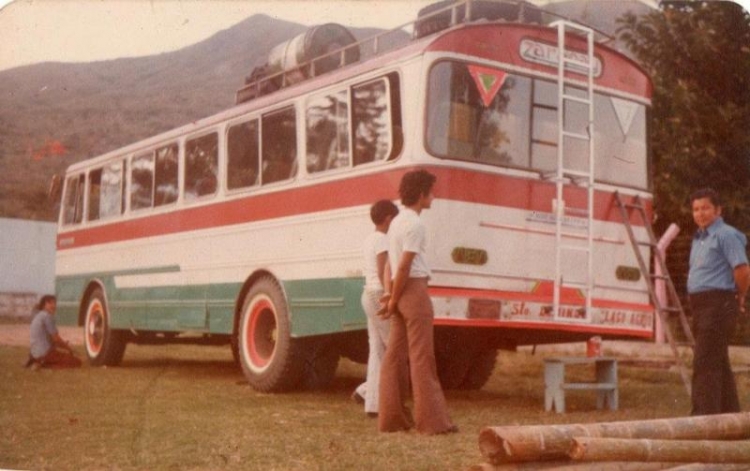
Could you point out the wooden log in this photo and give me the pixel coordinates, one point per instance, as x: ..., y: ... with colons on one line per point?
x: 552, y: 442
x: 606, y: 466
x: 573, y: 466
x: 644, y: 449
x: 708, y: 467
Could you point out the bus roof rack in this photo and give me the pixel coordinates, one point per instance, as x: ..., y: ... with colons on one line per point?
x: 324, y: 48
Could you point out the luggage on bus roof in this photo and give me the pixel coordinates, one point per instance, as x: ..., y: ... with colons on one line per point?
x: 521, y: 11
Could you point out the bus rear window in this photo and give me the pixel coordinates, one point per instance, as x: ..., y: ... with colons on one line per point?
x: 469, y: 122
x: 492, y: 117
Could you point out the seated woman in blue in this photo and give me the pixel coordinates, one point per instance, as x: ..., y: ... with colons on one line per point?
x: 48, y: 349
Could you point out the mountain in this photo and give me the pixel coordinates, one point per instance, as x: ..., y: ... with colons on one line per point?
x: 54, y: 114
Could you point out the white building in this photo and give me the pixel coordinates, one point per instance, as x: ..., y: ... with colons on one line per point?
x: 27, y: 264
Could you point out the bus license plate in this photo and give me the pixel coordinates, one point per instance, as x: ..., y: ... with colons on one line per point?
x: 484, y: 309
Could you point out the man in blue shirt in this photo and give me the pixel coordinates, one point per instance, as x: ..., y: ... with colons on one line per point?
x: 48, y: 349
x: 718, y: 281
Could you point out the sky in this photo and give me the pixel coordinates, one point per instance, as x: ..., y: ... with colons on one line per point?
x: 34, y: 31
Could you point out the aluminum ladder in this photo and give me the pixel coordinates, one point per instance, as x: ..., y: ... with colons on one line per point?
x: 635, y: 210
x: 567, y: 62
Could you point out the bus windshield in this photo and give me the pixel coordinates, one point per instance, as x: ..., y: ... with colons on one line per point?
x: 492, y: 117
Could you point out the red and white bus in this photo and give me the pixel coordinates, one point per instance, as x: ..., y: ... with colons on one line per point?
x: 245, y: 227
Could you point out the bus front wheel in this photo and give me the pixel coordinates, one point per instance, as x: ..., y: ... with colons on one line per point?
x: 104, y: 346
x: 271, y: 359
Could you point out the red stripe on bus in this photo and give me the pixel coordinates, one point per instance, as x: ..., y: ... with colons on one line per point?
x: 594, y: 329
x: 568, y: 296
x: 453, y: 184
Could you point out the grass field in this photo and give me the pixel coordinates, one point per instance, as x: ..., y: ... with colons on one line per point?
x: 186, y: 407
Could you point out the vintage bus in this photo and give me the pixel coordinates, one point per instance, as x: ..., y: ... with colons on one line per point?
x: 245, y: 228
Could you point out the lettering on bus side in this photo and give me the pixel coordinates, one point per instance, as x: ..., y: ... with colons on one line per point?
x: 623, y: 317
x: 642, y: 319
x: 522, y: 310
x: 572, y: 312
x: 613, y: 316
x: 519, y: 310
x: 528, y: 310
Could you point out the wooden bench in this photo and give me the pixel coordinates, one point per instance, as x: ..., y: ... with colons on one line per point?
x: 605, y: 382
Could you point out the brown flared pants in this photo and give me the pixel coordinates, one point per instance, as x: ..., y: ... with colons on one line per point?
x: 411, y: 354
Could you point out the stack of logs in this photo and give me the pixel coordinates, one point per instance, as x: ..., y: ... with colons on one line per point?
x: 715, y: 442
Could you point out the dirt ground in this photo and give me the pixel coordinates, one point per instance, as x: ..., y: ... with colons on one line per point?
x: 18, y: 335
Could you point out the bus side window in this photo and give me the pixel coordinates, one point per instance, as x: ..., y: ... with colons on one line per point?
x: 372, y: 127
x: 142, y: 181
x: 243, y: 155
x: 110, y: 193
x: 201, y: 166
x: 95, y: 185
x: 327, y: 119
x: 105, y: 191
x: 165, y: 175
x: 73, y: 200
x: 279, y: 138
x: 123, y: 187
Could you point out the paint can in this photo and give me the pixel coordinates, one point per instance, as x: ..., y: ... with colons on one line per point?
x: 594, y: 346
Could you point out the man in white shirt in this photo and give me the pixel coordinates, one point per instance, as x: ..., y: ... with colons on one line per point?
x: 375, y: 252
x: 411, y: 349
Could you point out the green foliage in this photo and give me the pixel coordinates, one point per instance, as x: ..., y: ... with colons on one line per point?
x: 698, y: 54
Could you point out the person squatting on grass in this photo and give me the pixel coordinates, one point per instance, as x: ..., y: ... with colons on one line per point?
x: 718, y: 281
x: 410, y: 350
x: 48, y: 349
x: 375, y: 251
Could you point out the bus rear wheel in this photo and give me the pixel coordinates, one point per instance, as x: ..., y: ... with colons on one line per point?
x: 321, y: 361
x: 271, y: 359
x: 104, y: 346
x: 464, y: 360
x: 480, y: 370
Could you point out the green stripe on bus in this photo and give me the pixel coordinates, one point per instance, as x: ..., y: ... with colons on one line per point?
x: 316, y: 307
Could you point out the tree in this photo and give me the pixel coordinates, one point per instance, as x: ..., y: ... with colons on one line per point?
x: 698, y: 55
